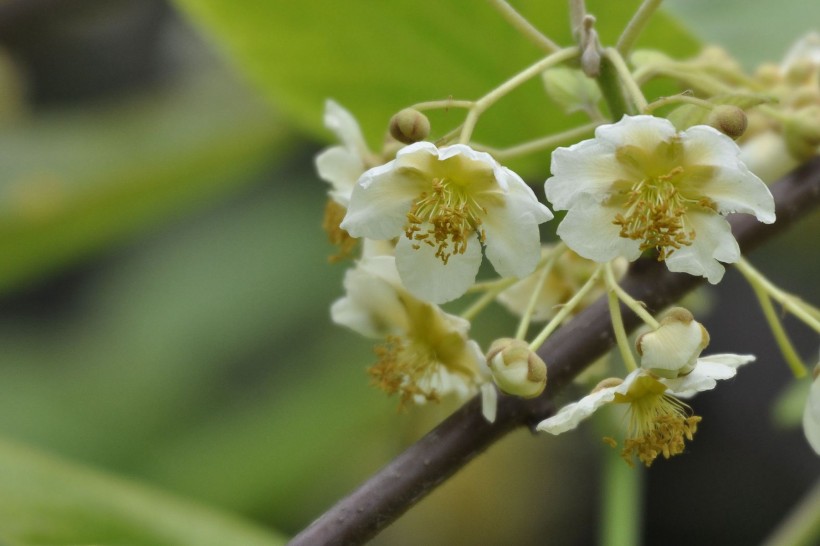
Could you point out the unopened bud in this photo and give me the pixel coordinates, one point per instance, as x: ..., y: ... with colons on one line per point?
x: 802, y: 133
x: 672, y: 350
x: 516, y: 368
x: 768, y: 74
x: 729, y: 120
x: 409, y: 126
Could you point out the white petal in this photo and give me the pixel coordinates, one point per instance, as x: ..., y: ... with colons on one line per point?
x: 807, y: 48
x: 707, y: 371
x: 569, y: 416
x: 639, y: 131
x: 734, y: 188
x: 346, y: 128
x: 426, y: 276
x: 811, y: 416
x: 589, y: 231
x: 489, y: 402
x: 713, y: 241
x: 380, y: 201
x: 342, y: 169
x: 524, y: 196
x: 588, y: 167
x: 371, y: 306
x: 512, y: 238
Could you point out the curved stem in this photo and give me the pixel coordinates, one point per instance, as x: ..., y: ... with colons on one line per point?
x: 524, y: 324
x: 493, y: 96
x: 780, y: 335
x: 625, y: 76
x: 522, y: 25
x: 566, y: 310
x: 636, y: 25
x: 636, y: 306
x: 544, y: 143
x: 621, y: 337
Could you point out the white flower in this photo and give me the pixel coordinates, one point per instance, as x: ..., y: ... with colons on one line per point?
x: 811, y: 414
x: 342, y: 165
x: 659, y: 423
x: 641, y: 184
x: 442, y: 203
x: 426, y: 353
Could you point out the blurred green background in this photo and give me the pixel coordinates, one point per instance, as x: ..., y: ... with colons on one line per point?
x: 164, y: 287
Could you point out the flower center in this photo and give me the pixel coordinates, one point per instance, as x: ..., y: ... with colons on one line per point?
x: 444, y: 218
x: 658, y: 425
x: 402, y: 367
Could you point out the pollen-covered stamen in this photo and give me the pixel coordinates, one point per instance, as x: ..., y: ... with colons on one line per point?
x: 451, y: 214
x: 656, y: 214
x: 402, y: 367
x: 334, y: 214
x: 659, y: 425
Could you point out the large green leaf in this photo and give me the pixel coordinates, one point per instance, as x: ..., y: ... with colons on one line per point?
x: 44, y: 500
x: 378, y: 57
x: 76, y: 180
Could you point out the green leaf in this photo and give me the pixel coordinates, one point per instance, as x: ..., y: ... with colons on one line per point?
x: 44, y: 500
x: 76, y: 180
x: 378, y: 57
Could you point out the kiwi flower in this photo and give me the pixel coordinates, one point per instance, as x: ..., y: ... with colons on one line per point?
x: 641, y: 185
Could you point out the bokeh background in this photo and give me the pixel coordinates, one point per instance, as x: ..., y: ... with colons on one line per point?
x: 164, y: 295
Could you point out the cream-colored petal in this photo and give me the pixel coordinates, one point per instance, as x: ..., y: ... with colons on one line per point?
x: 588, y: 230
x: 428, y: 278
x: 811, y: 416
x: 380, y: 202
x: 713, y: 241
x: 372, y: 304
x: 588, y: 167
x: 489, y: 402
x: 571, y: 415
x: 342, y: 169
x: 734, y: 188
x: 638, y: 131
x: 513, y: 242
x: 344, y: 125
x: 707, y: 372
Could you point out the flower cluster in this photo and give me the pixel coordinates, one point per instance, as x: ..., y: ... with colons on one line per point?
x: 424, y: 213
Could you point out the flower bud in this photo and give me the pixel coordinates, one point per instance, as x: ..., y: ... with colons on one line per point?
x: 729, y: 120
x: 516, y: 368
x: 409, y: 126
x: 802, y: 133
x: 571, y: 89
x: 672, y: 350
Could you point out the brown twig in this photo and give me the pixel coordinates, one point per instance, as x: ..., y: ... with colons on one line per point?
x: 465, y: 434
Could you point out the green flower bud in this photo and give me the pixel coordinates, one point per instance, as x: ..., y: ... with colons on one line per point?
x: 409, y: 126
x: 516, y: 369
x: 672, y: 350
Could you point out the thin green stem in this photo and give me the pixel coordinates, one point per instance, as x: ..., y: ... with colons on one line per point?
x: 522, y: 25
x: 625, y: 76
x: 636, y: 306
x: 443, y: 104
x: 689, y: 99
x: 544, y: 143
x: 621, y: 503
x: 780, y: 336
x: 618, y: 322
x: 636, y: 25
x: 524, y: 324
x: 797, y: 307
x: 802, y: 526
x: 566, y: 310
x: 499, y: 92
x: 487, y: 298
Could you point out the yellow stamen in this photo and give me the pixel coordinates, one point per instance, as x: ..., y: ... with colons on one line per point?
x: 401, y: 368
x: 334, y: 214
x: 453, y: 215
x: 656, y: 208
